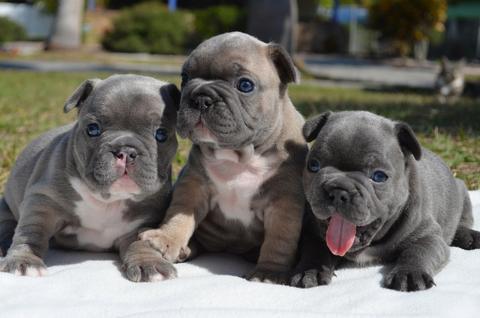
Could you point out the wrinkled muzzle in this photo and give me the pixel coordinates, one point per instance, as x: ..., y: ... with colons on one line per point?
x: 212, y: 111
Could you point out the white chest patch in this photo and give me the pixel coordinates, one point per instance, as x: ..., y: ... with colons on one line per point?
x: 101, y: 221
x: 237, y: 182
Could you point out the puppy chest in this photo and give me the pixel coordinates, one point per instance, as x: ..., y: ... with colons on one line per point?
x: 234, y: 198
x: 235, y: 186
x: 100, y: 223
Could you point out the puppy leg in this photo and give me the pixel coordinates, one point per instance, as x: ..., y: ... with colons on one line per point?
x: 141, y: 262
x: 189, y: 206
x: 35, y: 227
x: 316, y: 266
x: 465, y: 237
x: 282, y: 222
x: 7, y: 227
x: 417, y: 264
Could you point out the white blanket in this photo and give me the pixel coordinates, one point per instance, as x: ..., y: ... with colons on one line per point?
x: 90, y: 285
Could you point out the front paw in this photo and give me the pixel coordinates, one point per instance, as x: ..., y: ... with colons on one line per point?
x: 408, y: 280
x: 144, y: 264
x: 23, y: 264
x: 170, y: 248
x: 311, y: 278
x: 268, y: 276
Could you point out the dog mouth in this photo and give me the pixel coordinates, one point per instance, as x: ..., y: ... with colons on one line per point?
x: 343, y: 236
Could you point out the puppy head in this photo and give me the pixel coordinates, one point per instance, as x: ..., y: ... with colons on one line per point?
x: 124, y: 139
x: 357, y: 174
x: 232, y: 88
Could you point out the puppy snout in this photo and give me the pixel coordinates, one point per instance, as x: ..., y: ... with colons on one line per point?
x: 338, y: 196
x: 127, y: 154
x: 202, y: 102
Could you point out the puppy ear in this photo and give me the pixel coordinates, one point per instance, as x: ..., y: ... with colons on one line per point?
x: 312, y: 127
x: 171, y: 95
x: 407, y: 140
x: 80, y: 94
x: 283, y: 63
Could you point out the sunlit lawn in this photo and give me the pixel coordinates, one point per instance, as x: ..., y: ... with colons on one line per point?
x: 31, y: 103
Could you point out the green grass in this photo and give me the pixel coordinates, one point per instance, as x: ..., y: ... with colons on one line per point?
x: 31, y: 103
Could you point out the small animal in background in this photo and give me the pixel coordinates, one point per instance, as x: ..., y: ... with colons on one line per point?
x: 375, y: 196
x: 92, y: 184
x: 450, y: 81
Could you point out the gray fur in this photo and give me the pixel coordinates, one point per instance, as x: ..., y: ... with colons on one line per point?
x: 262, y: 125
x: 39, y: 200
x: 406, y: 223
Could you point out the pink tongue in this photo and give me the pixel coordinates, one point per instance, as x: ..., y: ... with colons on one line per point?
x: 340, y: 235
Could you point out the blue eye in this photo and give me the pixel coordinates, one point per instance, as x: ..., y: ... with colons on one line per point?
x: 245, y: 85
x: 313, y: 165
x: 93, y: 130
x: 161, y: 135
x: 379, y: 176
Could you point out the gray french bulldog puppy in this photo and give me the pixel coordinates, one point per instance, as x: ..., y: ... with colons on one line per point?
x: 378, y: 197
x: 92, y: 184
x: 241, y: 189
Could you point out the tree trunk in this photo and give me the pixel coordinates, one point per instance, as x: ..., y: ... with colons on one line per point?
x: 67, y: 29
x: 274, y: 20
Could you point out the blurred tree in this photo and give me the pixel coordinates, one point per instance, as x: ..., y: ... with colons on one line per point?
x: 405, y: 23
x: 274, y: 20
x: 67, y: 28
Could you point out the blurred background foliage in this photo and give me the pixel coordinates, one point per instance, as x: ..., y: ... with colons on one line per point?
x: 11, y: 31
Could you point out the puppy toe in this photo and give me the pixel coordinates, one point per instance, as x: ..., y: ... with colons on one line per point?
x: 23, y: 265
x: 166, y: 269
x: 267, y: 276
x: 466, y: 239
x: 407, y: 281
x: 310, y: 279
x: 133, y: 273
x: 296, y: 279
x: 34, y: 271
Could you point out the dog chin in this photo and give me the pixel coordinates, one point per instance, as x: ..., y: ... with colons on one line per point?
x: 201, y: 134
x: 124, y: 188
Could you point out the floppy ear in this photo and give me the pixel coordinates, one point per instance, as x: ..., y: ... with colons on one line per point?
x: 312, y: 127
x: 407, y: 140
x: 80, y: 94
x: 283, y: 63
x: 171, y: 96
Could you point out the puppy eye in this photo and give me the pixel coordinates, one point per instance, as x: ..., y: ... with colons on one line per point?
x: 184, y: 79
x: 93, y: 130
x: 245, y: 85
x: 313, y: 165
x: 379, y: 176
x: 161, y: 135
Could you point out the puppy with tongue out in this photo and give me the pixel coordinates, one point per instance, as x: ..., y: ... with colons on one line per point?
x: 375, y: 196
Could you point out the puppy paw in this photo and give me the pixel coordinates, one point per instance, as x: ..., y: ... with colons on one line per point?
x: 466, y: 239
x: 23, y: 265
x: 408, y: 280
x: 169, y: 247
x: 311, y: 278
x: 268, y: 276
x: 142, y: 263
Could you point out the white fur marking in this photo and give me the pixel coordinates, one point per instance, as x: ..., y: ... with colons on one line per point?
x: 236, y: 183
x: 157, y: 278
x: 32, y: 271
x: 101, y: 220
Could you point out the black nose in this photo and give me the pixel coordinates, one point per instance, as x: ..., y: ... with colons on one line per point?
x: 128, y: 153
x: 338, y: 196
x: 202, y: 102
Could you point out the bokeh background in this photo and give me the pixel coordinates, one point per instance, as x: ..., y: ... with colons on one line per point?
x: 416, y: 61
